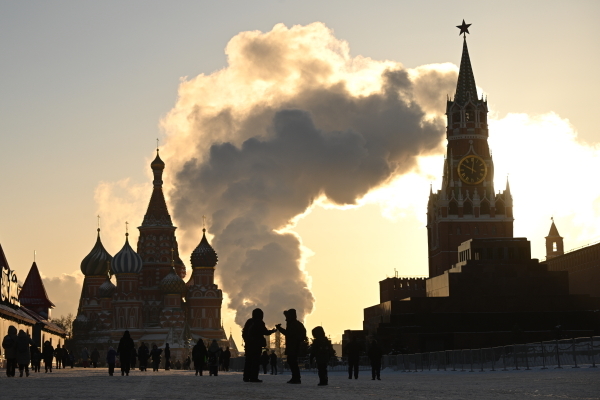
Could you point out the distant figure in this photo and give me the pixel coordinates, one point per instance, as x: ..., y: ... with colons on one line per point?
x: 72, y: 359
x: 94, y: 357
x: 353, y: 354
x: 187, y: 364
x: 226, y: 356
x: 9, y: 343
x: 111, y: 359
x: 254, y: 333
x: 375, y: 358
x: 133, y: 358
x: 155, y: 355
x: 85, y: 356
x: 321, y: 350
x: 143, y: 355
x: 273, y: 360
x: 124, y: 352
x: 23, y: 352
x: 58, y: 352
x: 177, y: 364
x: 199, y: 354
x: 48, y: 355
x: 264, y: 360
x: 36, y: 358
x: 66, y: 358
x: 295, y: 335
x: 167, y: 357
x: 214, y: 353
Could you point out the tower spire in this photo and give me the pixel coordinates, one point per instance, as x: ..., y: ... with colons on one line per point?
x: 465, y: 87
x: 157, y: 214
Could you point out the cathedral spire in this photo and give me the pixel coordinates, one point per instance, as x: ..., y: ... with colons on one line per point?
x: 465, y: 87
x: 157, y: 214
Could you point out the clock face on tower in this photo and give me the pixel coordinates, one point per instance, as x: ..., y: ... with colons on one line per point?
x: 472, y: 170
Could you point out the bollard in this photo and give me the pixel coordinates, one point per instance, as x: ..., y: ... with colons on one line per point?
x: 592, y: 351
x: 574, y: 352
x: 543, y: 356
x: 557, y: 356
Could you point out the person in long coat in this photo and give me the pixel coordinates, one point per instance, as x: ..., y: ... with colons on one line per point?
x: 58, y: 356
x: 85, y: 356
x: 254, y: 333
x: 295, y: 336
x: 155, y: 354
x: 264, y: 361
x: 167, y: 357
x: 143, y: 355
x: 48, y: 355
x: 353, y: 349
x: 226, y: 356
x: 214, y: 352
x: 124, y: 352
x: 199, y: 354
x: 94, y: 357
x: 111, y: 359
x: 10, y: 351
x: 36, y: 358
x: 375, y: 358
x: 23, y: 352
x: 66, y: 358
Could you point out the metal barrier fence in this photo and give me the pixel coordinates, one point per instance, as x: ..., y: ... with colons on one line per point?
x: 571, y: 353
x: 336, y: 364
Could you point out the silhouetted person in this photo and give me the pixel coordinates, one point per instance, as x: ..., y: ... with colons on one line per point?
x: 155, y: 355
x: 36, y: 358
x: 72, y: 359
x: 187, y: 364
x: 264, y: 361
x: 375, y: 358
x: 94, y: 357
x: 23, y: 352
x: 143, y: 355
x: 353, y: 354
x: 85, y: 356
x: 48, y: 355
x: 167, y: 357
x: 111, y: 359
x: 177, y: 364
x: 133, y: 359
x: 199, y: 354
x: 321, y: 350
x: 66, y: 358
x: 295, y: 335
x: 214, y: 353
x: 58, y: 352
x: 273, y: 361
x: 9, y: 343
x: 226, y: 356
x: 254, y: 333
x: 124, y: 352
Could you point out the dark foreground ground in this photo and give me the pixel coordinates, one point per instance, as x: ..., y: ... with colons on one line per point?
x: 78, y: 383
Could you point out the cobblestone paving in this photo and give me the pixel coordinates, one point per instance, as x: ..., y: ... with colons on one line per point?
x: 78, y: 383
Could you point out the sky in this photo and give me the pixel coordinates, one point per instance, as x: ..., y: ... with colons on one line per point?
x: 86, y: 88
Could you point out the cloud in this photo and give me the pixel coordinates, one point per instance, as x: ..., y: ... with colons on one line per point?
x: 292, y: 119
x: 64, y: 291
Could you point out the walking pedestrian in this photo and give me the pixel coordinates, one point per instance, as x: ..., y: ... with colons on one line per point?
x: 155, y: 355
x: 199, y: 354
x: 264, y: 360
x: 214, y: 352
x: 226, y: 357
x: 167, y: 357
x: 23, y: 352
x: 254, y: 333
x: 295, y: 336
x: 94, y: 357
x: 353, y: 354
x: 9, y: 343
x: 36, y: 357
x: 85, y: 356
x: 111, y: 359
x: 66, y: 357
x: 143, y: 355
x: 375, y: 358
x: 58, y: 352
x: 48, y: 355
x: 321, y: 350
x: 273, y: 360
x: 124, y: 352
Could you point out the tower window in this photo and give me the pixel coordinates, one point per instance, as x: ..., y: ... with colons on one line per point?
x: 456, y: 118
x: 554, y: 248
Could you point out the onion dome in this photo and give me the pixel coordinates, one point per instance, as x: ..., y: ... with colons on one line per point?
x: 97, y: 263
x: 127, y: 261
x: 204, y: 255
x: 172, y: 284
x: 157, y: 163
x: 106, y: 289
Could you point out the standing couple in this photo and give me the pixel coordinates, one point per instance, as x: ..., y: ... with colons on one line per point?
x: 254, y: 333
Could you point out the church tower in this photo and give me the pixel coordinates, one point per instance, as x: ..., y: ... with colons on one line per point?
x: 554, y: 243
x: 467, y: 205
x: 157, y: 238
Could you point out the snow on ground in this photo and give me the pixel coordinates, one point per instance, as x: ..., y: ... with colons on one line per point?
x: 79, y: 383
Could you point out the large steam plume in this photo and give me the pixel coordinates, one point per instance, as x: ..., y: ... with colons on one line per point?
x: 292, y: 119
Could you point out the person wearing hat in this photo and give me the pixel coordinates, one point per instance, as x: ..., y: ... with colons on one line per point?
x: 295, y: 337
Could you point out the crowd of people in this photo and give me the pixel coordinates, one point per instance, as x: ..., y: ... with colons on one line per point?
x: 21, y: 351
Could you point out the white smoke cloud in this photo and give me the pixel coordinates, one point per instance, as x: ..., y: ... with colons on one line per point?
x: 64, y: 292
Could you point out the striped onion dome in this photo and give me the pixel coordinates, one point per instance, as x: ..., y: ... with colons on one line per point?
x: 204, y: 255
x: 172, y: 284
x: 127, y: 261
x: 97, y: 263
x: 107, y: 288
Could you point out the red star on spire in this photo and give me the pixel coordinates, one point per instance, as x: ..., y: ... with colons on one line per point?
x: 464, y: 28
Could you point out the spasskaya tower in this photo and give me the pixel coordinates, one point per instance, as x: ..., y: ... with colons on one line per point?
x: 467, y: 205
